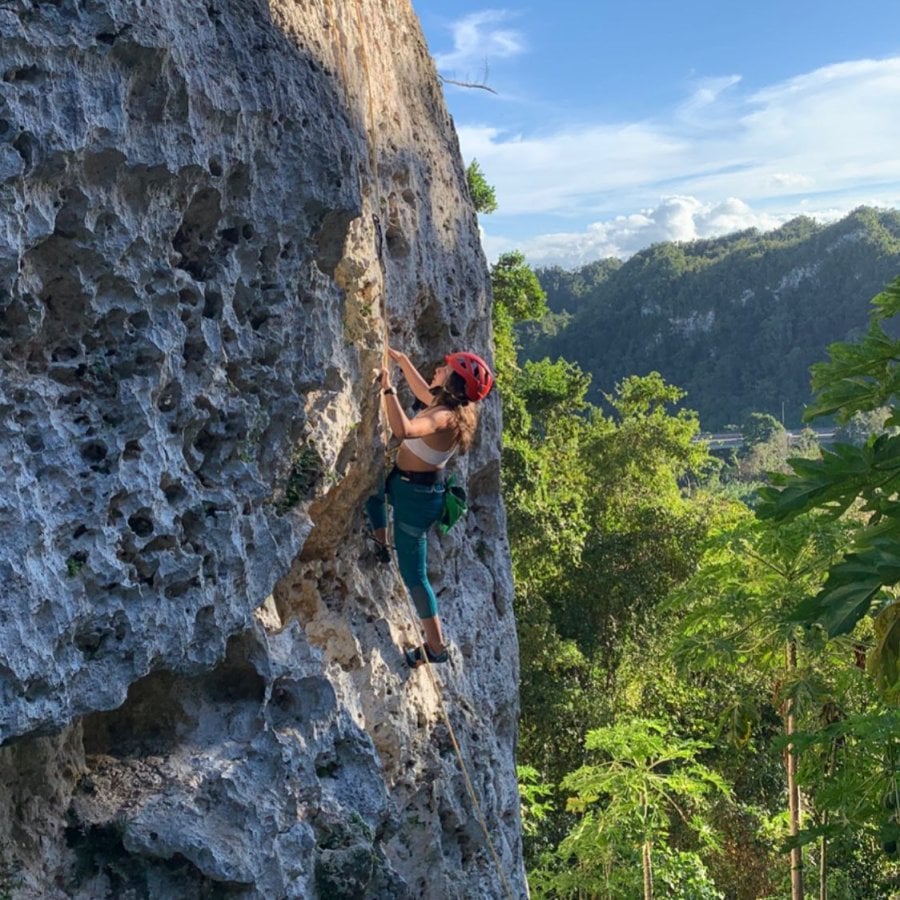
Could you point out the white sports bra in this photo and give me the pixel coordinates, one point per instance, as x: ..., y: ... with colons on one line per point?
x: 429, y: 455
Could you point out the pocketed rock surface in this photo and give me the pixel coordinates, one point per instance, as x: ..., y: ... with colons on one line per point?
x: 202, y: 690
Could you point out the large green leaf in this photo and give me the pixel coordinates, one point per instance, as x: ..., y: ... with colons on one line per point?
x: 860, y: 375
x: 887, y: 303
x: 834, y: 480
x: 851, y: 587
x: 838, y: 610
x: 843, y: 474
x: 883, y: 662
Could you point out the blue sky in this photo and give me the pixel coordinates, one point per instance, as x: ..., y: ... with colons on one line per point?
x: 618, y: 125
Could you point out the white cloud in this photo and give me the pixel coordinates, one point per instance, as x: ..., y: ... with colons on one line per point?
x: 478, y: 39
x: 707, y: 92
x: 569, y: 170
x: 676, y: 218
x: 733, y: 214
x: 826, y: 140
x: 792, y: 180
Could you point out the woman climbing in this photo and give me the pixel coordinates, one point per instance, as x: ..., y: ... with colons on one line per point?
x: 415, y: 486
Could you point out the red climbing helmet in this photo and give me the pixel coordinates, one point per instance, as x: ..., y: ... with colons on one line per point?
x: 474, y: 371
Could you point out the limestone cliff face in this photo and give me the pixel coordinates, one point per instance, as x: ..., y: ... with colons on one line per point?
x: 201, y: 685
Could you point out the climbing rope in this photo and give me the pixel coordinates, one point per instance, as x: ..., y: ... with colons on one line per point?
x: 375, y: 181
x: 372, y: 146
x: 470, y: 788
x: 371, y: 140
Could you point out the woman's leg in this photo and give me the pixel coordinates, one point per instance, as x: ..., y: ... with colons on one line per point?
x: 376, y: 510
x: 434, y: 637
x: 412, y: 548
x: 415, y: 511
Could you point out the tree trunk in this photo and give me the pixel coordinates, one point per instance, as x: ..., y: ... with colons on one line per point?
x: 823, y: 864
x: 648, y: 872
x: 793, y: 790
x: 823, y: 841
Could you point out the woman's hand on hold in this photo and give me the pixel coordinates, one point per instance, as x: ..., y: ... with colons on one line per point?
x: 385, y: 379
x: 420, y: 387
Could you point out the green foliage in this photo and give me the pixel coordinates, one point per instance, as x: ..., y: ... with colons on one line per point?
x: 862, y: 425
x: 759, y: 428
x: 884, y: 658
x: 653, y: 447
x: 517, y: 297
x: 860, y: 377
x: 644, y: 767
x: 484, y: 199
x: 516, y: 288
x: 565, y: 289
x: 682, y: 875
x: 307, y: 467
x: 534, y: 796
x: 645, y: 777
x: 760, y: 460
x: 641, y: 599
x: 599, y: 532
x: 75, y: 563
x: 734, y: 621
x: 737, y: 609
x: 855, y: 793
x: 552, y: 391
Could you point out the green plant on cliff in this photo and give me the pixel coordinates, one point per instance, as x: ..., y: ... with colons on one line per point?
x: 484, y: 199
x: 75, y: 563
x: 535, y: 799
x: 306, y: 469
x: 10, y: 878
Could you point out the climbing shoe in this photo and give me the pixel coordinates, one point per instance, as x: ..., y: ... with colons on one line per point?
x: 415, y: 656
x: 381, y: 551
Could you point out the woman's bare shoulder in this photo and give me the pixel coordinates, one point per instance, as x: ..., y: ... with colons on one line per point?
x: 437, y: 418
x: 439, y: 414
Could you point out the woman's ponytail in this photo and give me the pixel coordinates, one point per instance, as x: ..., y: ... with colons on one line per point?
x: 452, y: 395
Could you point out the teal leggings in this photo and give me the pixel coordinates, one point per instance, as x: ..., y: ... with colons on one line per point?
x: 416, y: 508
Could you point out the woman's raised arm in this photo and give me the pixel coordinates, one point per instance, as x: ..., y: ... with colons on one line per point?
x: 430, y: 421
x: 414, y: 379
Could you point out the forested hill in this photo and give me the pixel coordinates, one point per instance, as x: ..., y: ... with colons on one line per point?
x: 736, y: 321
